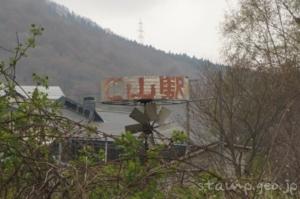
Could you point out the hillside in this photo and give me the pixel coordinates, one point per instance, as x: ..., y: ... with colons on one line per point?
x: 76, y: 53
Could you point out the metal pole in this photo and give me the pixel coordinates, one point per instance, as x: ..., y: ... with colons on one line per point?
x: 188, y: 119
x: 220, y: 98
x: 187, y: 127
x: 106, y: 149
x: 59, y: 152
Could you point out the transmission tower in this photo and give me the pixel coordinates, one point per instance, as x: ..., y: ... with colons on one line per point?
x: 141, y: 32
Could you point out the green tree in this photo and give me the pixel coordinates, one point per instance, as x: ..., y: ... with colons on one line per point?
x: 29, y: 168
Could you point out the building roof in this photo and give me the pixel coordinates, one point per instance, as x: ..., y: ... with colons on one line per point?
x: 53, y: 92
x: 77, y: 112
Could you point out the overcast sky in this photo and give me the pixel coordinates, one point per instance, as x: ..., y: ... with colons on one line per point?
x: 180, y: 26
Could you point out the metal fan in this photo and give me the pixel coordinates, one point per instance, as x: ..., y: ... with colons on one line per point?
x: 150, y: 121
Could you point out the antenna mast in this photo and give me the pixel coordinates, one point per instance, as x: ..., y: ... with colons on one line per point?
x: 141, y: 32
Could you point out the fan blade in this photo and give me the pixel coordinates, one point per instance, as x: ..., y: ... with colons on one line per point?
x: 139, y: 116
x: 159, y: 135
x: 160, y: 138
x: 165, y: 126
x: 163, y: 114
x: 134, y: 128
x: 150, y: 111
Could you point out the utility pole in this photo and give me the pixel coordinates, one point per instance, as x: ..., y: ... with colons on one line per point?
x: 188, y: 122
x: 220, y: 99
x: 188, y: 119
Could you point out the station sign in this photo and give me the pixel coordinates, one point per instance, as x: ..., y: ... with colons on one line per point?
x: 145, y: 88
